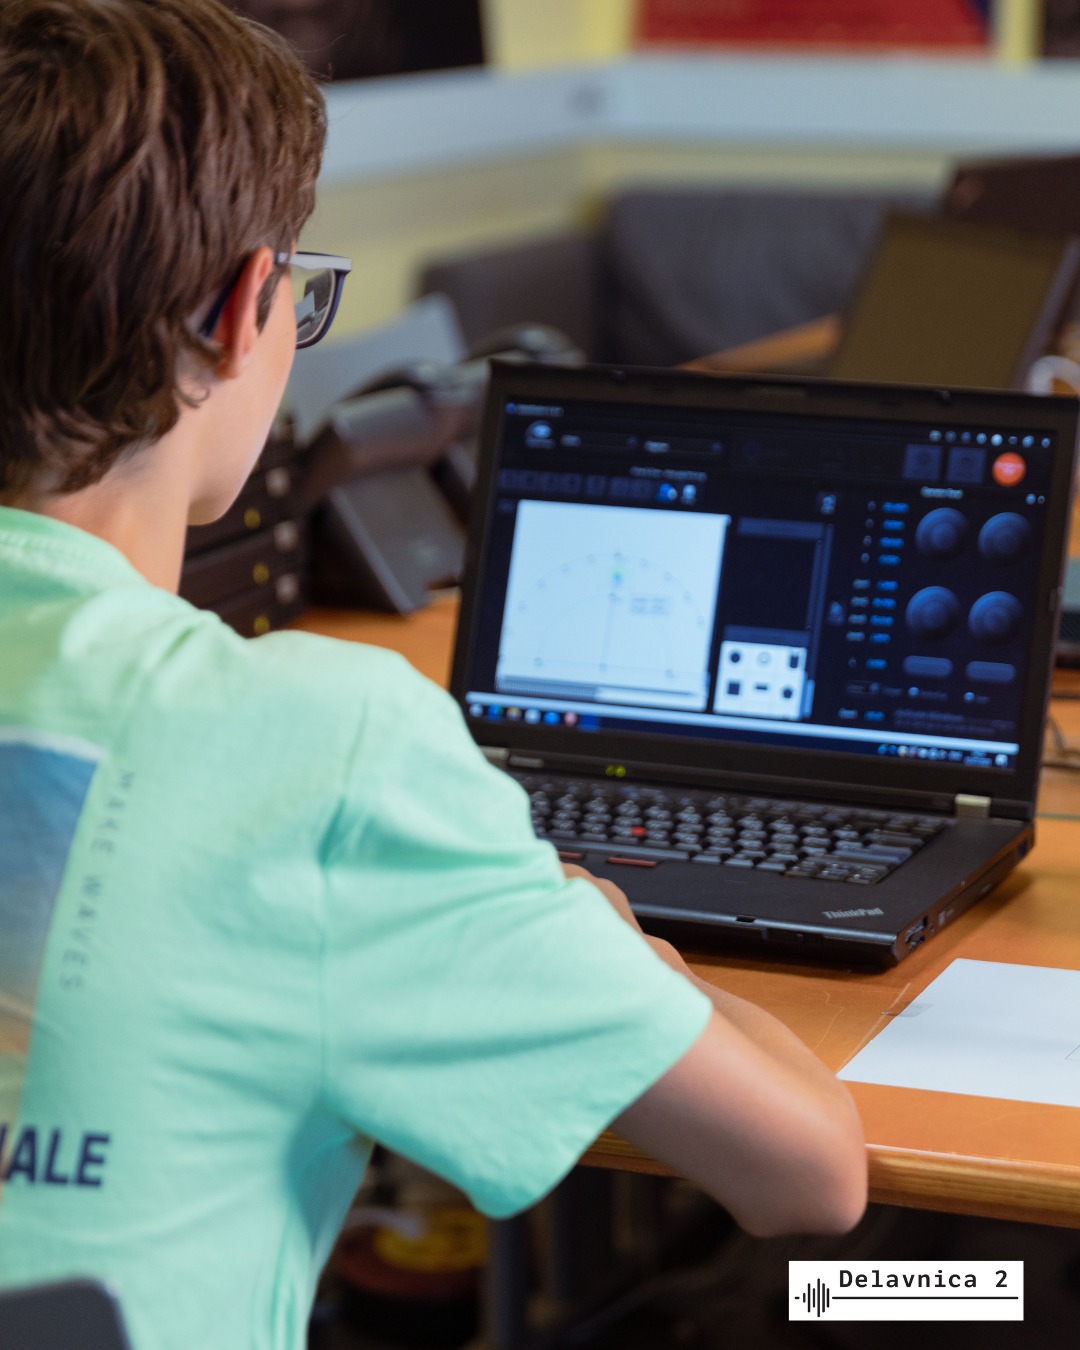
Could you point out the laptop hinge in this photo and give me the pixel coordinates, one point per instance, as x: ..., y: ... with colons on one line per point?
x: 497, y: 755
x: 971, y: 807
x: 520, y: 761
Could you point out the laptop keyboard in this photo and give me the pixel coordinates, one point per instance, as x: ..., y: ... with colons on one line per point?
x: 645, y: 826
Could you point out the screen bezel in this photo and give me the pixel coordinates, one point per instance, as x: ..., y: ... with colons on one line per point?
x: 783, y: 767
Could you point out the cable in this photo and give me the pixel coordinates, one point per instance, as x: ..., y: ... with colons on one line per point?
x: 1047, y: 369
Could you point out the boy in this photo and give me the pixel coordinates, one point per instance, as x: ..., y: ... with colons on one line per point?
x: 265, y: 903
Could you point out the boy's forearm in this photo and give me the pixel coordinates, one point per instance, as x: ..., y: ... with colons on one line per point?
x: 755, y: 1023
x: 755, y: 1118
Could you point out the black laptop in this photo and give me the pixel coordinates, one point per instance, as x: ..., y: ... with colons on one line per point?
x: 949, y: 301
x: 772, y: 655
x: 1040, y: 193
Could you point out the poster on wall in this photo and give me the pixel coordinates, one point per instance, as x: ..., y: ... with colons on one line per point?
x: 963, y: 24
x: 362, y: 39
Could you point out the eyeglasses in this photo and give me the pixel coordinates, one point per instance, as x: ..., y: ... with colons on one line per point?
x: 318, y: 280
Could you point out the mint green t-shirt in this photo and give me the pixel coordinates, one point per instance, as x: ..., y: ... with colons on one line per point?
x: 262, y: 904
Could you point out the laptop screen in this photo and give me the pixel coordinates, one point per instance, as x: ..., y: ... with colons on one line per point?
x: 865, y: 587
x: 957, y: 303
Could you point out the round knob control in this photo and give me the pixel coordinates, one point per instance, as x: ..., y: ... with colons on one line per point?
x: 933, y: 612
x: 996, y: 618
x: 1004, y: 538
x: 941, y: 533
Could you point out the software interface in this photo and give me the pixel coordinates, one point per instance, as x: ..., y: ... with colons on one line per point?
x: 865, y: 588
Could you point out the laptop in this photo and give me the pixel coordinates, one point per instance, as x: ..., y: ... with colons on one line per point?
x: 1040, y: 193
x: 958, y: 303
x: 772, y: 655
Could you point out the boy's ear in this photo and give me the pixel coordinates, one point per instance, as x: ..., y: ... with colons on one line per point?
x: 238, y: 328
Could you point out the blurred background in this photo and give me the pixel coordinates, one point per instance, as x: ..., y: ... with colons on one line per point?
x: 548, y: 109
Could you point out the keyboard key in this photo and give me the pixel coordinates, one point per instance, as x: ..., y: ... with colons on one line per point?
x: 658, y: 854
x: 893, y: 855
x: 911, y: 841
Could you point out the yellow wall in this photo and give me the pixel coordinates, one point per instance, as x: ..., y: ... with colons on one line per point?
x: 528, y: 33
x: 1019, y: 30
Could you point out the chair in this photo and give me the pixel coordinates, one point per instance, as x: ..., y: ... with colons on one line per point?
x: 63, y: 1316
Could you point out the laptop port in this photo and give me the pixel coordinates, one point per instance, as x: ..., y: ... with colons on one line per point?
x: 916, y: 933
x: 744, y: 918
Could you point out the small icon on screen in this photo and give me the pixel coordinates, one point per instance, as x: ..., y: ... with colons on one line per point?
x: 1009, y: 469
x: 540, y: 435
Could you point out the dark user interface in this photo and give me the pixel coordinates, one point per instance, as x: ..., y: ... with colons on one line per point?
x: 865, y: 588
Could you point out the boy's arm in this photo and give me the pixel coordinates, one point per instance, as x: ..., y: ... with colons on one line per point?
x: 753, y: 1117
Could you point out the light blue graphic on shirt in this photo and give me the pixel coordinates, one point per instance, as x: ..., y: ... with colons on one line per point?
x: 43, y: 787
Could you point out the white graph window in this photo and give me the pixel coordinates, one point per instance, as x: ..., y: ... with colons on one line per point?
x: 611, y: 603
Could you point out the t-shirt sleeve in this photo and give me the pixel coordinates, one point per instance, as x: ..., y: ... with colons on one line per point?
x: 483, y: 1016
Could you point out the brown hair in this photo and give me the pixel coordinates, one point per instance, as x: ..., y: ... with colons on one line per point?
x: 147, y: 147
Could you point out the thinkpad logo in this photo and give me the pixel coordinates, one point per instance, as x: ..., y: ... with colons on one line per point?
x: 852, y: 913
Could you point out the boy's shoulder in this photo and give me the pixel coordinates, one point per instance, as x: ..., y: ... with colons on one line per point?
x: 180, y: 676
x: 323, y: 677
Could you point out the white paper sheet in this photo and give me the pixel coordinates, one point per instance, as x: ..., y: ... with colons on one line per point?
x: 984, y: 1029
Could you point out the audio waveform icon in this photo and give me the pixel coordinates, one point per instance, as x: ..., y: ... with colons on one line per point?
x: 816, y: 1297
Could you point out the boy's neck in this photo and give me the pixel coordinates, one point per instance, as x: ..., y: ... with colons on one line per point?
x: 141, y: 507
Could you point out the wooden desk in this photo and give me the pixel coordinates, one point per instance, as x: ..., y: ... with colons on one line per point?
x: 1001, y: 1159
